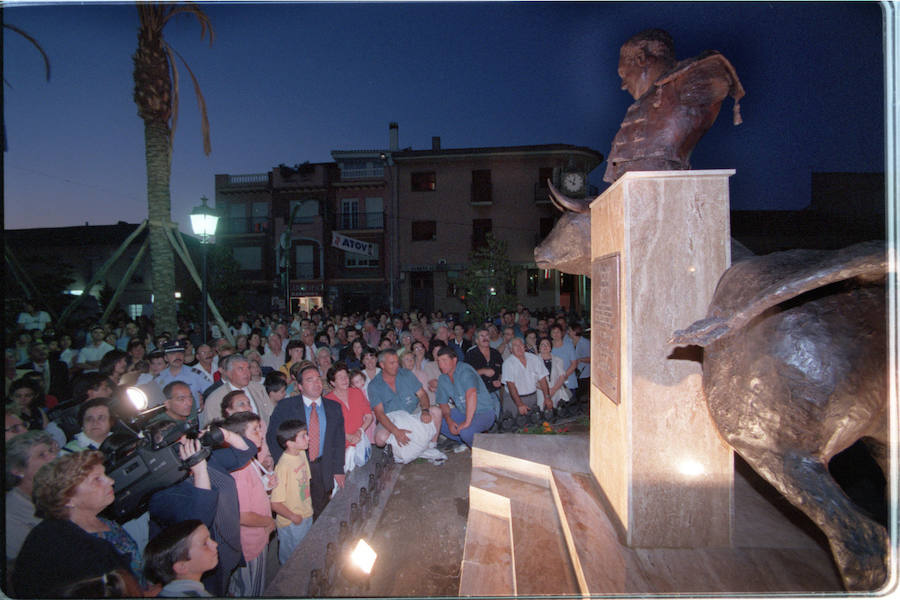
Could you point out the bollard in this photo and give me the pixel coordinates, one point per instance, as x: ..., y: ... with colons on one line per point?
x: 313, y: 589
x: 355, y: 521
x: 343, y: 533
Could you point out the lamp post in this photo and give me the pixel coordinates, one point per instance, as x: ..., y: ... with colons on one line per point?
x: 203, y: 221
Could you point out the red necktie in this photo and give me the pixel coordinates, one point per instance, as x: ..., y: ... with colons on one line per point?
x: 313, y: 428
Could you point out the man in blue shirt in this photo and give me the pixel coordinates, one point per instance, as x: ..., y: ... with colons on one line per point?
x: 475, y: 409
x: 396, y: 389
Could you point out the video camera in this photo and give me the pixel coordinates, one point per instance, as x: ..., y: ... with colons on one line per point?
x: 142, y: 458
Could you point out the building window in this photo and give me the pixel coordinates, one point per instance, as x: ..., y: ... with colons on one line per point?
x: 481, y: 186
x: 423, y: 181
x: 424, y: 231
x: 374, y: 215
x: 545, y: 174
x: 304, y: 262
x: 248, y: 257
x: 306, y: 210
x: 361, y: 261
x: 480, y: 229
x: 237, y: 218
x: 260, y: 218
x: 349, y: 213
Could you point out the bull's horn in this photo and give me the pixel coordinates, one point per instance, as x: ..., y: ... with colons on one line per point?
x: 564, y: 202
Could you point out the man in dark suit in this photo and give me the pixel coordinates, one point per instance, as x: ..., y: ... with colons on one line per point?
x: 325, y: 425
x: 55, y: 372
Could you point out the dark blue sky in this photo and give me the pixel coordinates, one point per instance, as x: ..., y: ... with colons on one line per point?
x: 287, y: 83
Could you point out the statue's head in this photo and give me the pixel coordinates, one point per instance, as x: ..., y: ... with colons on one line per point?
x: 643, y: 58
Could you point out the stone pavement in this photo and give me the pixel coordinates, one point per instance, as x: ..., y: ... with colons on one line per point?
x: 419, y: 538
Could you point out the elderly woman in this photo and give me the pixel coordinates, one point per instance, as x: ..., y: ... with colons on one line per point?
x: 96, y: 422
x: 324, y: 362
x: 426, y: 371
x: 557, y: 380
x: 25, y: 454
x: 69, y: 493
x: 357, y: 414
x: 406, y: 340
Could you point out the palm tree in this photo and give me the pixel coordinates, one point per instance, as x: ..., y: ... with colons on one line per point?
x: 156, y: 95
x: 39, y: 49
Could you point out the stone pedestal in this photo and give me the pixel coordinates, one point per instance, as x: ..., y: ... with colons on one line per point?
x: 660, y: 240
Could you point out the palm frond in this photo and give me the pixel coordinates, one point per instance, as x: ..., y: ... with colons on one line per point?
x: 36, y: 45
x: 191, y: 8
x: 174, y: 113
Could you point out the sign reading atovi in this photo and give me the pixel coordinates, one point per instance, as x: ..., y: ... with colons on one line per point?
x: 349, y: 244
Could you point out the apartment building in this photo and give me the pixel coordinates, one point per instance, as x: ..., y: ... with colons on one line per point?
x: 391, y: 228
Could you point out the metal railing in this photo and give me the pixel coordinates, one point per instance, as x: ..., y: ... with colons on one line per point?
x: 359, y: 220
x: 249, y: 179
x: 362, y: 173
x: 244, y: 225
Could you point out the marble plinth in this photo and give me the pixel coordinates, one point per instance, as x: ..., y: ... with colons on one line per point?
x: 659, y: 243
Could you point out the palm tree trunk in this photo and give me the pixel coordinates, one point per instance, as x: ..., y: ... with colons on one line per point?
x: 162, y: 259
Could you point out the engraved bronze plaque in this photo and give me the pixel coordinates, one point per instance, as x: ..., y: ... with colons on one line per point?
x: 605, y: 327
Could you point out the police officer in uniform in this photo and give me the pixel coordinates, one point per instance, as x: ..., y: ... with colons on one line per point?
x: 178, y: 371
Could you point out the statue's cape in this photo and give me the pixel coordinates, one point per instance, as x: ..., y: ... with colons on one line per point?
x: 709, y: 58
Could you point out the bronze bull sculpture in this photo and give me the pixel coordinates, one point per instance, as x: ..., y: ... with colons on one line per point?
x: 794, y: 372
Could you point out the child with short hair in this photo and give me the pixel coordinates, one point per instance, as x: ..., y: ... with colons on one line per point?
x: 178, y: 557
x: 291, y: 499
x: 255, y: 510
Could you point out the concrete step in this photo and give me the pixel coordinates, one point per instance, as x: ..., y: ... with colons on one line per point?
x: 488, y: 567
x: 540, y: 558
x: 563, y: 541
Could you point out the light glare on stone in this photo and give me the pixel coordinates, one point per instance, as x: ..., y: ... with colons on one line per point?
x: 691, y: 468
x: 363, y: 557
x: 137, y: 397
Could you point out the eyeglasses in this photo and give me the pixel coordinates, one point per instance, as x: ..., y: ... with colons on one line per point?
x: 16, y: 428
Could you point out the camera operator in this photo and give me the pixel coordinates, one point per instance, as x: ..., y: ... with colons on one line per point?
x: 210, y: 495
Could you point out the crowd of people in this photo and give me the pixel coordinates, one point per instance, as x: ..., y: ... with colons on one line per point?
x: 299, y: 400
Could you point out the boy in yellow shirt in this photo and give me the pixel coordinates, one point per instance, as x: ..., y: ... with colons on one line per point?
x: 291, y: 500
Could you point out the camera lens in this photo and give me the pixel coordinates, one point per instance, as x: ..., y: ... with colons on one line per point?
x: 213, y: 438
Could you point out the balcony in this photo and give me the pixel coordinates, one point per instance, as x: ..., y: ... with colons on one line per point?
x: 359, y: 220
x: 371, y: 172
x: 238, y: 225
x: 254, y: 179
x: 482, y: 193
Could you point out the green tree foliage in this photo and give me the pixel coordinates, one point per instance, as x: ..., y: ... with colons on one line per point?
x: 490, y: 280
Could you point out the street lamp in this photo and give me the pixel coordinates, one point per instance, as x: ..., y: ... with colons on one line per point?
x: 203, y: 221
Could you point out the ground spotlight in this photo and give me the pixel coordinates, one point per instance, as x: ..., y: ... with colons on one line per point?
x: 363, y: 557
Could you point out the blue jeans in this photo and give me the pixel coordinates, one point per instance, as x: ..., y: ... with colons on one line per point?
x: 290, y: 537
x: 481, y: 421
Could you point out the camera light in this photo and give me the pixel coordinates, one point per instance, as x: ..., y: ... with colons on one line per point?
x: 137, y: 397
x: 363, y: 556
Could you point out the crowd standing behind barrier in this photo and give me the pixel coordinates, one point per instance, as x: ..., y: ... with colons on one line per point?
x: 66, y: 395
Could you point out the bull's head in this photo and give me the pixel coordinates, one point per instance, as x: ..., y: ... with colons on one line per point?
x: 568, y: 247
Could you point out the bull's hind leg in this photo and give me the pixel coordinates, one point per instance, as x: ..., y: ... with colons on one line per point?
x: 859, y: 545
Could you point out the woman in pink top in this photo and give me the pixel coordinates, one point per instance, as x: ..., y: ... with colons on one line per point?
x: 357, y: 414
